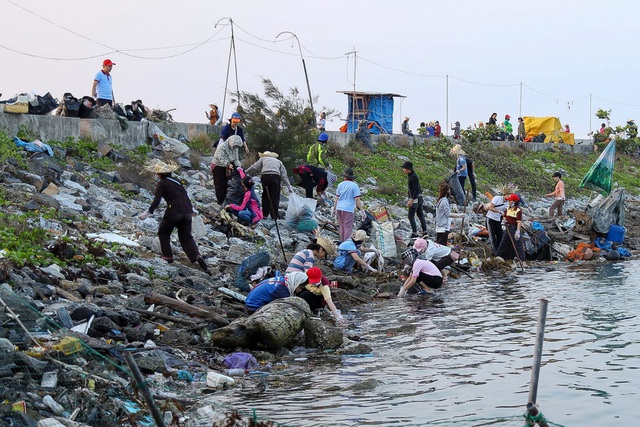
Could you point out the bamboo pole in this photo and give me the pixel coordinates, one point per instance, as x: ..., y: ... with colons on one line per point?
x: 537, y: 353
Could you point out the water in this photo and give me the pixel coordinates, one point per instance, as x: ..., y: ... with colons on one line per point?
x: 464, y: 357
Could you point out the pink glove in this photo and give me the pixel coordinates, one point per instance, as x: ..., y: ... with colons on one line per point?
x: 144, y: 215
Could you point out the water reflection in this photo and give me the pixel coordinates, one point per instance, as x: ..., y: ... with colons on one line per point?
x: 464, y: 357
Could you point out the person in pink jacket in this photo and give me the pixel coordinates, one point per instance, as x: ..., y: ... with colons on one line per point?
x: 249, y: 211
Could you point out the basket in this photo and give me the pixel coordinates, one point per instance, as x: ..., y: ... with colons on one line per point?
x: 17, y: 108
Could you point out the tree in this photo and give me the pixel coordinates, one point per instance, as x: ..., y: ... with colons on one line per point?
x: 278, y: 122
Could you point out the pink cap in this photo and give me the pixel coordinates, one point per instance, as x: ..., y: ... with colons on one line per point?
x: 420, y: 245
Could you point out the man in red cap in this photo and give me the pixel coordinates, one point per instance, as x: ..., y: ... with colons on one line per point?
x: 102, y: 89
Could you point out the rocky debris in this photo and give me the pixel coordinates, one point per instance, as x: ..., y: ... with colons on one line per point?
x: 67, y: 322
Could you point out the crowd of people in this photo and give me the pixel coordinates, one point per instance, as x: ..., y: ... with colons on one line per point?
x: 427, y: 260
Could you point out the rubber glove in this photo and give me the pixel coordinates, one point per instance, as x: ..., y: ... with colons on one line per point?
x: 371, y: 269
x: 517, y: 235
x: 144, y: 215
x: 340, y: 320
x: 402, y: 293
x: 363, y: 215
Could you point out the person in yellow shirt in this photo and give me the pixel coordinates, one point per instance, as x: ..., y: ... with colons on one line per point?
x: 559, y: 196
x: 315, y: 156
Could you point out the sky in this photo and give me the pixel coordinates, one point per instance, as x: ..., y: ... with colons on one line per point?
x: 452, y: 60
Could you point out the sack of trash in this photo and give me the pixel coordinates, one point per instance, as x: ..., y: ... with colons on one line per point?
x: 300, y: 213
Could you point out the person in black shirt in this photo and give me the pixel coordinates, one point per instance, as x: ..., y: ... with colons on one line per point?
x: 177, y: 215
x: 416, y: 200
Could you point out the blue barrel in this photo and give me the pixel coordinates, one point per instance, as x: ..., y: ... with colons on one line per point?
x: 616, y: 233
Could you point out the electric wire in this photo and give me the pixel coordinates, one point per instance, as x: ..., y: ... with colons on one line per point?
x: 194, y: 46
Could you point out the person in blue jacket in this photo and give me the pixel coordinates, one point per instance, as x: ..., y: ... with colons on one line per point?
x: 275, y: 288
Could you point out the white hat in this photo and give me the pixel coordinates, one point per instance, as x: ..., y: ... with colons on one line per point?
x: 158, y: 166
x: 360, y: 236
x: 268, y: 154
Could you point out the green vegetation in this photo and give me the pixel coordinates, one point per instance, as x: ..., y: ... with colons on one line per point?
x: 9, y: 152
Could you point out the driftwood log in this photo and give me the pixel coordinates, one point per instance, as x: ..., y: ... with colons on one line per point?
x: 186, y: 308
x: 271, y: 327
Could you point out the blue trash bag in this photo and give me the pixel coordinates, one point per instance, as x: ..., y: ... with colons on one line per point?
x: 537, y: 226
x: 623, y: 252
x: 248, y: 267
x: 602, y: 243
x: 240, y: 361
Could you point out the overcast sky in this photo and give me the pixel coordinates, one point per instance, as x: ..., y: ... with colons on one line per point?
x: 571, y: 56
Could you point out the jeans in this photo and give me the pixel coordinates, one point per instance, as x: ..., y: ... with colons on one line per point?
x: 417, y: 208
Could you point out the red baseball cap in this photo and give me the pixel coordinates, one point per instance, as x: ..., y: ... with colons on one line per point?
x: 108, y: 62
x: 315, y: 275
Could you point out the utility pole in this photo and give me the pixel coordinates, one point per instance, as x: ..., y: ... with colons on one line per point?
x: 520, y: 111
x: 446, y: 116
x: 232, y: 49
x: 353, y: 96
x: 304, y: 66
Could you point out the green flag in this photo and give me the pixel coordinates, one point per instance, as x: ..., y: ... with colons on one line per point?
x: 600, y: 176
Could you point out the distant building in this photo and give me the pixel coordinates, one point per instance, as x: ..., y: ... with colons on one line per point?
x: 375, y: 108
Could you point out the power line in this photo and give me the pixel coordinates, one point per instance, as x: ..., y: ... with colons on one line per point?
x: 485, y: 84
x: 52, y: 58
x: 60, y: 26
x: 400, y: 71
x: 614, y: 102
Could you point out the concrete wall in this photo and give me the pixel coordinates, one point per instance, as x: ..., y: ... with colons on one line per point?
x: 54, y: 128
x: 581, y: 145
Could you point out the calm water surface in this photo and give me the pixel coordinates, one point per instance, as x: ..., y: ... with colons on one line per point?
x: 464, y: 357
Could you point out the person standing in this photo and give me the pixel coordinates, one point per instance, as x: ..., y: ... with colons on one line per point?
x: 559, y: 196
x: 437, y: 129
x: 232, y: 128
x: 102, y: 89
x: 213, y: 115
x: 507, y: 128
x: 272, y: 174
x: 461, y: 164
x: 510, y: 245
x: 315, y: 155
x: 444, y: 215
x: 471, y: 170
x: 178, y: 214
x: 225, y: 159
x: 522, y: 133
x: 405, y: 127
x: 322, y: 122
x: 456, y: 130
x: 416, y: 200
x: 493, y: 120
x: 495, y: 210
x: 347, y: 199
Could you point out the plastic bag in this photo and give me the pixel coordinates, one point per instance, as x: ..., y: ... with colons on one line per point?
x: 240, y: 360
x: 385, y: 239
x: 456, y: 189
x: 248, y: 268
x: 600, y: 176
x: 43, y: 104
x: 300, y: 211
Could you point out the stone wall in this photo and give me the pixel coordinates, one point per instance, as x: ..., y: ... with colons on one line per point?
x: 54, y: 128
x: 581, y: 145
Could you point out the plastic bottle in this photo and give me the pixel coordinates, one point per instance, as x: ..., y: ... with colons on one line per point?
x: 236, y: 371
x: 55, y: 407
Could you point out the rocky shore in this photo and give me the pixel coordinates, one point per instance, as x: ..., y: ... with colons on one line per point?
x: 97, y: 291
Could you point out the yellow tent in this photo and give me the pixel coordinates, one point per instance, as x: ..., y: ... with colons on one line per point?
x: 550, y: 126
